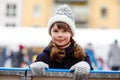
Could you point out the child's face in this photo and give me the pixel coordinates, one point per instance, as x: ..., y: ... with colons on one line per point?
x: 61, y: 37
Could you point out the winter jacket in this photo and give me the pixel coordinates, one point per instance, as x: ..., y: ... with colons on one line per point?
x: 114, y: 56
x: 67, y: 62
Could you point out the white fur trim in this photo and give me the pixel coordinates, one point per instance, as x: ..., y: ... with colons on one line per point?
x: 62, y: 18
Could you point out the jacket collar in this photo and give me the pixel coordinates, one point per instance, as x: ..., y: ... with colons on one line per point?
x: 69, y: 50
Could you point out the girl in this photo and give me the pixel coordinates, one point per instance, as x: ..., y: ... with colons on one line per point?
x: 62, y: 51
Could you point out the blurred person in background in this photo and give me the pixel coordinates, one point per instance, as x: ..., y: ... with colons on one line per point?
x: 90, y: 51
x: 17, y: 56
x: 102, y: 65
x: 114, y: 56
x: 3, y: 56
x: 25, y: 62
x: 30, y: 54
x: 34, y: 56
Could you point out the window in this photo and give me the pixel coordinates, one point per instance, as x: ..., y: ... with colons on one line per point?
x: 10, y: 25
x: 104, y: 12
x: 11, y: 10
x: 81, y: 16
x: 36, y: 10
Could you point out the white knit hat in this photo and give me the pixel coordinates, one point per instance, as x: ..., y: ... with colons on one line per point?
x: 63, y: 14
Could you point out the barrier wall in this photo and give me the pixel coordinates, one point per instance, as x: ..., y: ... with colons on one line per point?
x: 54, y: 74
x: 12, y: 73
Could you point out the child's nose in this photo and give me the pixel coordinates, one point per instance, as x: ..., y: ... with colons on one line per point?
x: 60, y: 34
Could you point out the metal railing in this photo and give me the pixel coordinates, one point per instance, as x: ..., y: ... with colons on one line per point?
x: 54, y: 74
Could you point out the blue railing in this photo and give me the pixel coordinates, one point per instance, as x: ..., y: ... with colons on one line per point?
x: 14, y: 69
x: 61, y: 70
x: 26, y: 74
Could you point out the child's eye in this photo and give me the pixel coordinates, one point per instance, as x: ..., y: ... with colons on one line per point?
x: 55, y: 30
x: 64, y: 30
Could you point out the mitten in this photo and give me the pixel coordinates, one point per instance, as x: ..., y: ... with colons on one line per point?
x: 81, y: 70
x: 38, y: 68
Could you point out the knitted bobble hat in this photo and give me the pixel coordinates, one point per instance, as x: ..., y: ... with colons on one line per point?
x: 64, y: 14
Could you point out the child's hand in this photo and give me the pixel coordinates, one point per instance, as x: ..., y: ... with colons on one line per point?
x: 38, y: 68
x: 81, y: 68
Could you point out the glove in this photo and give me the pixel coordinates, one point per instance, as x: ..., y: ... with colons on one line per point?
x: 81, y: 67
x: 81, y: 70
x: 38, y: 68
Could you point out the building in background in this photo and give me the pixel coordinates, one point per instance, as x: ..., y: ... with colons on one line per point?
x: 36, y: 12
x: 32, y: 15
x: 101, y: 14
x: 11, y: 13
x: 104, y: 14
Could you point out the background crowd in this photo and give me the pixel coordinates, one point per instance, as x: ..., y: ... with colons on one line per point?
x: 21, y: 56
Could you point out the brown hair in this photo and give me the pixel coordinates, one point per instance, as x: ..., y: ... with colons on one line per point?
x: 58, y: 54
x: 79, y: 53
x: 61, y: 25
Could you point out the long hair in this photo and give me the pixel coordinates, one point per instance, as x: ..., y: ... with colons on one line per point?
x: 57, y: 54
x: 79, y: 53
